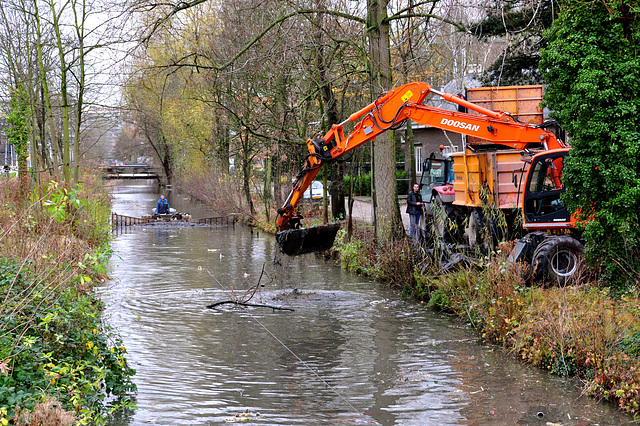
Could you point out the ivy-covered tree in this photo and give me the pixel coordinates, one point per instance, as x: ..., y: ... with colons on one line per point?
x: 19, y: 128
x: 592, y: 65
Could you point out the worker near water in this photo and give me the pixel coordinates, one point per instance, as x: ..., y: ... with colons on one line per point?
x: 414, y: 208
x: 163, y: 205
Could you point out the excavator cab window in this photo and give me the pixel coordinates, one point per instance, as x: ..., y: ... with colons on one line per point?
x: 544, y: 188
x: 546, y: 175
x: 435, y: 172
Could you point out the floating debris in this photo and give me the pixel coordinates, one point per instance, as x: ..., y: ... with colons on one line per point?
x: 242, y: 417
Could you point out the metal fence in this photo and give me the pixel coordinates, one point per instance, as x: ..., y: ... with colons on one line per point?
x: 219, y: 220
x: 119, y: 220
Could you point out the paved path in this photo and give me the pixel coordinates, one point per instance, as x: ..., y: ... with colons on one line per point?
x: 362, y: 210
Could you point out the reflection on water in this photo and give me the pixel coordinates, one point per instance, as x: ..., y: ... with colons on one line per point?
x: 352, y: 351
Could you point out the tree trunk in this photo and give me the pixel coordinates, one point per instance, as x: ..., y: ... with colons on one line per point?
x: 246, y: 173
x: 387, y: 212
x: 46, y: 97
x: 336, y: 190
x: 166, y: 165
x: 266, y: 187
x: 41, y: 121
x: 80, y: 20
x: 64, y: 94
x: 277, y: 177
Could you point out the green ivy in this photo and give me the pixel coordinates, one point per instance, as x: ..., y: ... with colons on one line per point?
x: 592, y: 67
x: 19, y: 127
x: 53, y: 344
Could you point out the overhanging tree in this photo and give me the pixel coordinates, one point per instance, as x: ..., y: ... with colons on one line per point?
x: 592, y: 65
x: 521, y: 24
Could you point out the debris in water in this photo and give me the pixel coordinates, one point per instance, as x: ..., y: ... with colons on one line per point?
x: 242, y: 417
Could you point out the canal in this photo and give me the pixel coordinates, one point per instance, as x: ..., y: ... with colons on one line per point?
x: 350, y: 351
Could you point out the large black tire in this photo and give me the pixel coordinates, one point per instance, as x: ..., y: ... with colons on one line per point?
x: 557, y: 260
x: 481, y: 232
x: 445, y: 224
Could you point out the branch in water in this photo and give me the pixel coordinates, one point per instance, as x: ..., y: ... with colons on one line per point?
x: 256, y: 305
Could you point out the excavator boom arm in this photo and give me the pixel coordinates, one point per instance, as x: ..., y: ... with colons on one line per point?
x: 391, y: 110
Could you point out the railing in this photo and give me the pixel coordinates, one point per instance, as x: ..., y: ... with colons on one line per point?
x: 129, y: 171
x: 119, y: 220
x: 122, y: 220
x: 219, y: 220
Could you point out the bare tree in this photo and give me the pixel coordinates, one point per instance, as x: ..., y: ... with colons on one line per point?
x: 248, y: 56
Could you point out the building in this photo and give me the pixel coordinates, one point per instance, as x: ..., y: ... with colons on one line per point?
x: 428, y: 140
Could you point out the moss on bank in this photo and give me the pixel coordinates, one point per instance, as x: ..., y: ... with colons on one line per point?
x: 58, y: 361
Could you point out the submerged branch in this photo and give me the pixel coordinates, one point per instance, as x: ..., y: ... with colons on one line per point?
x: 256, y: 305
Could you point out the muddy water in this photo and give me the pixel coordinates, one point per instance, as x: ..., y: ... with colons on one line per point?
x: 352, y: 351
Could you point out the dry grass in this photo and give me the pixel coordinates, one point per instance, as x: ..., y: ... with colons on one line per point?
x: 579, y: 331
x: 31, y: 236
x: 47, y: 413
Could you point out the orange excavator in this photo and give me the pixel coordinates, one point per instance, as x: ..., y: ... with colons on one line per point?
x: 485, y: 164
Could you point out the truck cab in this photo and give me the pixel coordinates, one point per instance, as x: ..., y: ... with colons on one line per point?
x: 435, y: 172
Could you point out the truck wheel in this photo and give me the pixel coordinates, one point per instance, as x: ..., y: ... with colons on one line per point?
x: 473, y: 233
x: 443, y: 224
x: 481, y: 231
x: 556, y: 259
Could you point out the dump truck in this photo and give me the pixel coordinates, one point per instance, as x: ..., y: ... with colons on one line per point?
x: 506, y: 164
x: 482, y: 176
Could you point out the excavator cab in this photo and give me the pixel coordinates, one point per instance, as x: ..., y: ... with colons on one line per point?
x: 543, y: 188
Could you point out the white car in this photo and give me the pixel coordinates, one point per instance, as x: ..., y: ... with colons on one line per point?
x: 315, y: 191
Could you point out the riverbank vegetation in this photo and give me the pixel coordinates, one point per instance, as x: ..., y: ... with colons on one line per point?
x: 224, y: 109
x: 585, y: 331
x: 59, y: 363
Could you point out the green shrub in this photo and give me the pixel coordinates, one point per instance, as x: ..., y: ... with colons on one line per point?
x: 440, y: 300
x: 592, y: 67
x: 402, y: 184
x: 53, y: 344
x: 361, y: 184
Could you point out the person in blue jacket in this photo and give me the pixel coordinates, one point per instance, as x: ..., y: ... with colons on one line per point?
x: 163, y: 205
x: 414, y: 208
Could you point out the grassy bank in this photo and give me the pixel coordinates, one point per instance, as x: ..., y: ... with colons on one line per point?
x: 580, y: 331
x: 58, y: 361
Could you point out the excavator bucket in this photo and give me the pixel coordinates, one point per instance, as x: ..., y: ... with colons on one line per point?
x: 307, y: 240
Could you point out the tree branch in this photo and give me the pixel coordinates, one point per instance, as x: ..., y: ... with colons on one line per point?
x: 256, y: 305
x: 185, y: 5
x: 458, y: 25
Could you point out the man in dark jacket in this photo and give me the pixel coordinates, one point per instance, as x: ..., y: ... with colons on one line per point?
x: 163, y: 205
x: 414, y: 208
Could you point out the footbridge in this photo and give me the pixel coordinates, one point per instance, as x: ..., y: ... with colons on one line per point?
x: 130, y: 171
